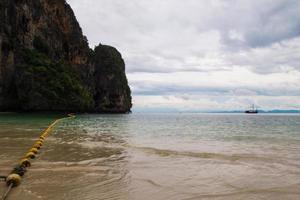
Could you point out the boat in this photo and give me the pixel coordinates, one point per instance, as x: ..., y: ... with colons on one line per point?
x: 252, y: 110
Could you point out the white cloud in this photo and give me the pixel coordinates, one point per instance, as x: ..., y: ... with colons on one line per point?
x: 212, y: 103
x: 217, y: 82
x: 218, y: 53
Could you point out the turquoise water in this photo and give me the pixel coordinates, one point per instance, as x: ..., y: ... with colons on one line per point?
x: 157, y: 156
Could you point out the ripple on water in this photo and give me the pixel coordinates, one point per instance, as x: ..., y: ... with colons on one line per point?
x: 159, y: 156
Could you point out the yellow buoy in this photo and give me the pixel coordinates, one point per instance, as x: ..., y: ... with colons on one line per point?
x: 14, y: 179
x: 34, y: 150
x: 39, y: 143
x: 25, y: 162
x: 30, y: 155
x: 36, y: 146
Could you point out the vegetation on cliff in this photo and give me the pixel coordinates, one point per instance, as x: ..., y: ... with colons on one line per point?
x: 46, y: 63
x: 42, y: 84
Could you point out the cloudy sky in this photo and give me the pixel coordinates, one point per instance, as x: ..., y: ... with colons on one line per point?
x: 202, y: 54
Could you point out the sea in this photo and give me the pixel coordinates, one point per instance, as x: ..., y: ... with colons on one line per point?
x: 155, y: 156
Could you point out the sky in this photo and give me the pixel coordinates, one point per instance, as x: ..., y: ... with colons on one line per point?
x: 201, y: 55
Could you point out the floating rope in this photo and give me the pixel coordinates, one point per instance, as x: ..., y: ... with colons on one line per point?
x: 15, y: 176
x: 7, y: 191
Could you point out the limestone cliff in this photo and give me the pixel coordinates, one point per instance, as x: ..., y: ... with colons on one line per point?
x: 46, y: 63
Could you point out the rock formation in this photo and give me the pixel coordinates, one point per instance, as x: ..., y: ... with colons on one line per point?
x: 46, y: 63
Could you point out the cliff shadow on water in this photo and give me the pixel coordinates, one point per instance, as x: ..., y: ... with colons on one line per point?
x: 46, y: 63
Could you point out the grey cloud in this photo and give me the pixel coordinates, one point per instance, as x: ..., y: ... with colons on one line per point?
x: 279, y: 57
x: 164, y: 37
x: 153, y: 88
x: 261, y: 23
x: 280, y: 21
x: 161, y: 36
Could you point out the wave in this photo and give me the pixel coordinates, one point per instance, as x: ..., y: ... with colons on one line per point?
x: 204, y: 155
x: 288, y: 190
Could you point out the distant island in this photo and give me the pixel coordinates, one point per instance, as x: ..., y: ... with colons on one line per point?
x: 46, y: 63
x: 260, y: 111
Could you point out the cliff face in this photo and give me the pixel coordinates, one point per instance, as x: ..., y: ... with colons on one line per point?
x: 111, y: 94
x: 46, y: 63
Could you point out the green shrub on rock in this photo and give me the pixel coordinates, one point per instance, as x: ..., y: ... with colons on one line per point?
x: 46, y: 85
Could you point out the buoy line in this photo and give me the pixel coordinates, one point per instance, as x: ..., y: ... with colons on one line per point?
x: 15, y: 176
